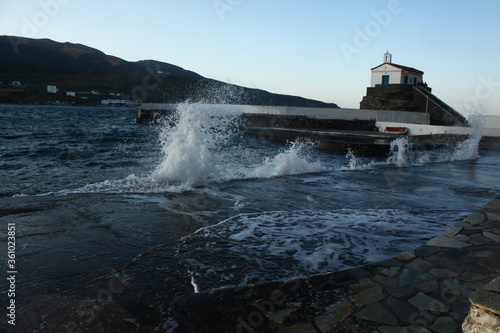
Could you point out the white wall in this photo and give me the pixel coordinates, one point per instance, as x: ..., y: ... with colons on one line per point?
x: 396, y: 75
x: 491, y: 121
x: 411, y: 78
x: 316, y: 113
x: 420, y: 129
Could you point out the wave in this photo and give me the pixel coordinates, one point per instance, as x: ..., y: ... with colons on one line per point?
x: 257, y: 247
x: 198, y: 151
x: 205, y: 147
x: 202, y: 148
x: 403, y: 154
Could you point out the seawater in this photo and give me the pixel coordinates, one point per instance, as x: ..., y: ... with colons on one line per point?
x: 91, y: 192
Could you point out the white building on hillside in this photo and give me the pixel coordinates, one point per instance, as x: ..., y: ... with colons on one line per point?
x: 389, y: 73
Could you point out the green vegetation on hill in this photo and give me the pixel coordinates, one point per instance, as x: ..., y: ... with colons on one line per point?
x: 27, y: 66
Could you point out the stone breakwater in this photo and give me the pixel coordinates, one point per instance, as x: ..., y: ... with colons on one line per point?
x: 429, y: 289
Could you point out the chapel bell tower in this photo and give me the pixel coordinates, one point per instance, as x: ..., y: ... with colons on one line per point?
x: 387, y: 58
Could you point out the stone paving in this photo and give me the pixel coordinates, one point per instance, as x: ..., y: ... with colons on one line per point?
x: 423, y: 290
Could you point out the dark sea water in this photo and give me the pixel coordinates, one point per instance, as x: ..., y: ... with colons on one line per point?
x: 109, y: 213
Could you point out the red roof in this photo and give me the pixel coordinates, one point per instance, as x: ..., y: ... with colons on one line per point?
x: 408, y: 69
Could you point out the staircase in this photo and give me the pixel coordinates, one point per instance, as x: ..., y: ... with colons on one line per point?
x: 449, y: 115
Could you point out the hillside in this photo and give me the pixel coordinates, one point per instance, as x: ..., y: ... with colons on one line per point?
x: 27, y: 66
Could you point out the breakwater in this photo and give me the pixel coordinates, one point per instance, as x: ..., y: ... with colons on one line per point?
x: 360, y: 131
x: 288, y: 116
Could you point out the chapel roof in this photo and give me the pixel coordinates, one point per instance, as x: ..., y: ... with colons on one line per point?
x: 405, y: 68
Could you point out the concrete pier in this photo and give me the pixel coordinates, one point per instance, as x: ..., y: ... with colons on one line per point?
x: 149, y: 111
x: 340, y: 130
x: 428, y: 289
x: 361, y: 131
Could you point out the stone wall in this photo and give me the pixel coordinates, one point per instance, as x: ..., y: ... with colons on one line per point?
x: 406, y: 97
x: 484, y: 313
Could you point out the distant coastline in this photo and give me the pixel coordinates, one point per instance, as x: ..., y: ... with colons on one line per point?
x: 45, y: 72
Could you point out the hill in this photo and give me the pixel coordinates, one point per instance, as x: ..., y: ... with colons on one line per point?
x: 27, y: 66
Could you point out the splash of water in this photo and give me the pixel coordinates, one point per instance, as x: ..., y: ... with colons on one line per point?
x: 294, y: 160
x: 360, y: 163
x: 188, y: 147
x: 469, y: 148
x: 353, y: 160
x: 198, y: 150
x: 401, y: 153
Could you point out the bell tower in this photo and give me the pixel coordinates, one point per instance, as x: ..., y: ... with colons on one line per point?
x: 387, y: 58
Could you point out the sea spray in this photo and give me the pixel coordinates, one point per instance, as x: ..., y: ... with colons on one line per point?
x: 353, y: 160
x: 295, y: 160
x: 469, y: 148
x: 401, y: 153
x: 188, y: 147
x: 202, y: 147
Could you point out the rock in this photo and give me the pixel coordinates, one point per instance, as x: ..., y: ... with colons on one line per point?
x: 297, y: 328
x: 280, y: 316
x: 427, y: 286
x: 400, y: 292
x: 410, y: 277
x: 452, y: 231
x: 379, y: 314
x: 493, y: 216
x: 419, y: 265
x: 386, y: 281
x: 402, y: 310
x: 367, y: 296
x: 492, y: 236
x: 443, y: 241
x: 494, y: 285
x: 405, y: 256
x: 334, y: 315
x: 487, y: 300
x: 424, y: 302
x: 480, y: 320
x: 391, y: 329
x: 444, y: 325
x: 391, y: 271
x: 475, y: 218
x: 443, y: 273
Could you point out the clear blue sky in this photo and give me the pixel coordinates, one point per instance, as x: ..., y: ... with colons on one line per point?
x: 321, y: 49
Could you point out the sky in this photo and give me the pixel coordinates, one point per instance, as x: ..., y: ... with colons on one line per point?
x: 320, y: 49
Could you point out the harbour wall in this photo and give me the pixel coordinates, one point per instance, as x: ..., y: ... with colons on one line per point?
x: 146, y: 111
x: 357, y: 126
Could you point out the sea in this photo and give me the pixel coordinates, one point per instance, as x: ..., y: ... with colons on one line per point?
x: 112, y: 218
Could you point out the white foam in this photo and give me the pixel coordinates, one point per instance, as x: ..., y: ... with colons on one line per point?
x: 196, y: 289
x: 294, y: 160
x: 403, y: 154
x: 469, y: 149
x: 313, y: 242
x: 188, y: 147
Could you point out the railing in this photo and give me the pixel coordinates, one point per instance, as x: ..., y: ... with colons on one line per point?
x: 439, y: 103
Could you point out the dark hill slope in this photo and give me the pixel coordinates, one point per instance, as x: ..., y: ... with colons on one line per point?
x: 76, y: 67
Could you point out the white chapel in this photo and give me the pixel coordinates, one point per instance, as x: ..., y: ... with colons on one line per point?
x: 389, y: 73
